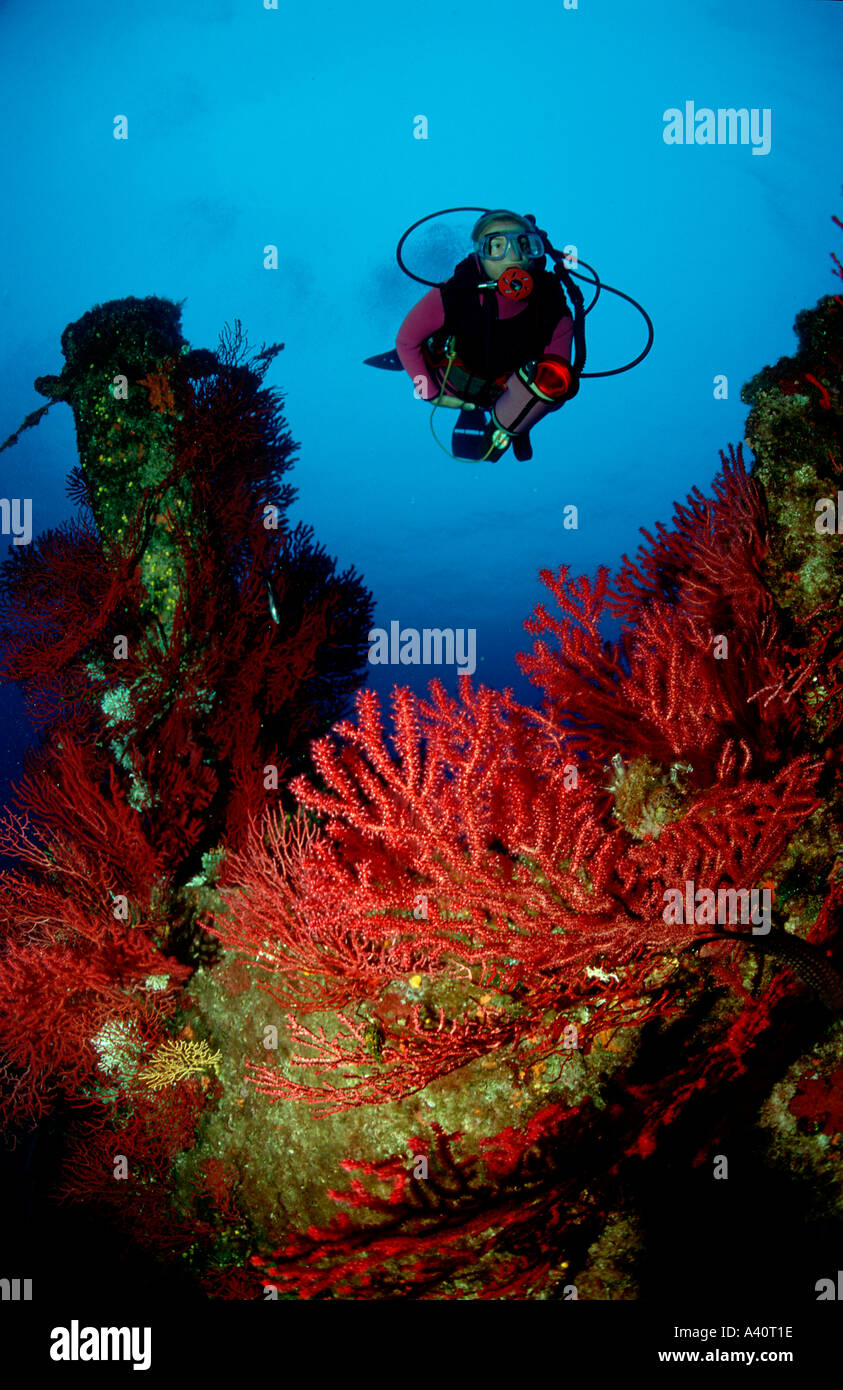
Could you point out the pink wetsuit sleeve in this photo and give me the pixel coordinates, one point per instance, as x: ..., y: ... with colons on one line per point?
x: 563, y: 336
x: 423, y: 319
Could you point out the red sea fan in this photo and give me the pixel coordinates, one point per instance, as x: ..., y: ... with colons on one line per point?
x: 470, y: 851
x: 701, y: 640
x: 530, y: 891
x: 819, y: 1102
x: 59, y: 600
x: 710, y: 559
x: 334, y: 922
x: 77, y: 949
x: 74, y: 984
x: 171, y: 652
x: 147, y: 1130
x: 434, y: 1227
x: 82, y: 824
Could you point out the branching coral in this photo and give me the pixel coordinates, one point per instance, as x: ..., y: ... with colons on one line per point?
x: 169, y: 696
x: 474, y: 891
x: 526, y: 879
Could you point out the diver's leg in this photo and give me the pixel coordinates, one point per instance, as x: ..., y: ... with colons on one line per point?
x: 521, y: 446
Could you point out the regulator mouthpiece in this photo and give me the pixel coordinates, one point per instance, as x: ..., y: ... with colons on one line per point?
x: 515, y: 283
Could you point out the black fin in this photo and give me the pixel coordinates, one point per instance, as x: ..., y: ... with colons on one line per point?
x: 469, y: 438
x: 387, y: 361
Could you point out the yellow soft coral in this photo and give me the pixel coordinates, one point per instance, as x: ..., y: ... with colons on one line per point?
x: 175, y: 1060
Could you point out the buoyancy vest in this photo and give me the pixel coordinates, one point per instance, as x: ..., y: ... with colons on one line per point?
x: 492, y: 347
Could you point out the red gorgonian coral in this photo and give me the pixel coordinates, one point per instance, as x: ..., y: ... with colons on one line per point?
x: 498, y: 873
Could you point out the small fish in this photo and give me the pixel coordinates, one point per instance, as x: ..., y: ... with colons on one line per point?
x: 271, y: 596
x: 808, y: 963
x: 273, y: 603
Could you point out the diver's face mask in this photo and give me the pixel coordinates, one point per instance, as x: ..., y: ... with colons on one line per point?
x: 506, y: 254
x: 524, y: 246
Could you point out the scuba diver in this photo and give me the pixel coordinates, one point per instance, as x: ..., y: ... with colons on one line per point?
x: 496, y: 336
x: 495, y: 340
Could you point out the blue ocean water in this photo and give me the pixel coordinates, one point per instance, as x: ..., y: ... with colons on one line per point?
x: 296, y: 126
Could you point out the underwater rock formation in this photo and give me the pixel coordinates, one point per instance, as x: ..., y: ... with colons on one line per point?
x: 178, y: 646
x: 448, y: 971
